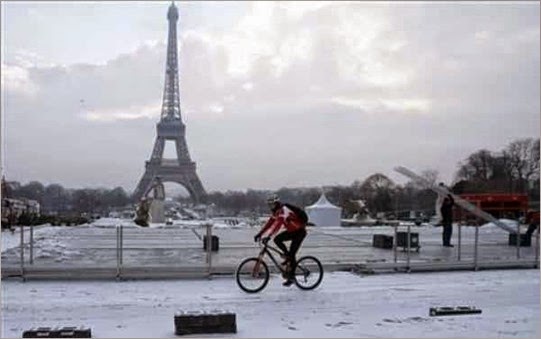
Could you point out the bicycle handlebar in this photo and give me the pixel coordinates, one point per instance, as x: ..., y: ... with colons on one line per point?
x: 263, y: 242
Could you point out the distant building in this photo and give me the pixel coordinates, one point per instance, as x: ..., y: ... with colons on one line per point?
x: 12, y: 209
x: 499, y: 205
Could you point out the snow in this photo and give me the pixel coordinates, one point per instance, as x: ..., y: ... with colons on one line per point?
x: 345, y: 305
x: 508, y: 222
x: 12, y: 240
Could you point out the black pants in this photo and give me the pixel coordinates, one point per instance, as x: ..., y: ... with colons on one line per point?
x: 447, y: 231
x: 531, y: 228
x: 296, y: 238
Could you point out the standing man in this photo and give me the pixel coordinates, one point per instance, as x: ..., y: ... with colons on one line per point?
x: 447, y: 219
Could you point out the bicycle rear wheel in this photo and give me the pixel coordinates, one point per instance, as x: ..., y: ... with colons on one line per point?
x: 308, y: 273
x: 252, y: 275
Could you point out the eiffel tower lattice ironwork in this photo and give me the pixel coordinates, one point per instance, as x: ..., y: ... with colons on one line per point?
x: 181, y: 170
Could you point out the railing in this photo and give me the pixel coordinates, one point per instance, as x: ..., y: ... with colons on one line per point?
x: 517, y: 257
x: 132, y: 252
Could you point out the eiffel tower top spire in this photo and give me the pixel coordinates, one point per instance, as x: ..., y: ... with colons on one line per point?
x: 171, y: 95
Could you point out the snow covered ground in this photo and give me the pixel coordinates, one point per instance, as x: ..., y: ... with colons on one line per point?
x: 345, y: 305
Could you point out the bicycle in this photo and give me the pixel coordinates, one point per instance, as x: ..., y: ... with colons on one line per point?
x: 253, y: 273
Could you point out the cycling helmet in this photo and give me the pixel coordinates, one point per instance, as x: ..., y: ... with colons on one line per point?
x: 273, y: 199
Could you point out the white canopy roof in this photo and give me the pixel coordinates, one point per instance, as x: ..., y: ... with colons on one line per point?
x: 323, y: 203
x: 323, y: 213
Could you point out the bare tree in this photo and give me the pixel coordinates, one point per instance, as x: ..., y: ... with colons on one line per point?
x: 378, y: 190
x: 479, y: 166
x: 523, y: 160
x: 431, y: 175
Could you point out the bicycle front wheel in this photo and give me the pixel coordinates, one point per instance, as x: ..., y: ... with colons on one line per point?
x: 252, y: 275
x: 308, y: 273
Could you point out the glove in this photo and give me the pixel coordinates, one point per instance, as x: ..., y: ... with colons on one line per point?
x: 257, y: 237
x: 265, y: 240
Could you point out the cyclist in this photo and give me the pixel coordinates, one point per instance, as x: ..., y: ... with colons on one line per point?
x: 295, y: 231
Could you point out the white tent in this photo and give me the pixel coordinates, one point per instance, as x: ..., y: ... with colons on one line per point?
x: 323, y: 213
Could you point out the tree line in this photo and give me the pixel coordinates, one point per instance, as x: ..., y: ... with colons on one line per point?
x: 54, y: 198
x: 514, y: 169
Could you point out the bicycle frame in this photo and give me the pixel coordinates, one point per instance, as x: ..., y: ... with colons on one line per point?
x: 306, y: 272
x: 266, y: 250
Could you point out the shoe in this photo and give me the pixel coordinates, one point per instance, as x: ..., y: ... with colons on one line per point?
x: 288, y: 282
x: 449, y: 245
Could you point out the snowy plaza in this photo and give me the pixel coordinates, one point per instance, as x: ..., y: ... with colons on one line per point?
x: 348, y: 303
x: 345, y: 305
x: 152, y: 151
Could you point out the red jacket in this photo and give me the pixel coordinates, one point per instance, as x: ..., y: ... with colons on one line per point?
x: 282, y: 217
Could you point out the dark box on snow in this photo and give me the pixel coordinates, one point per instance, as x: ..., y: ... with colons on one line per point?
x: 382, y: 241
x: 525, y: 240
x: 214, y: 243
x: 58, y: 332
x: 402, y: 239
x: 205, y: 322
x: 436, y: 311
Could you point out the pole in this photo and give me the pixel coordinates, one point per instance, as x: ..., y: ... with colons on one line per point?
x: 537, y: 248
x: 409, y: 247
x: 459, y: 240
x: 209, y: 248
x: 395, y: 243
x: 519, y: 240
x: 121, y: 247
x: 475, y: 248
x: 22, y: 252
x: 117, y: 229
x: 31, y: 244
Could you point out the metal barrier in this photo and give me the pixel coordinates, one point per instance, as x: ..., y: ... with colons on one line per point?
x: 467, y: 254
x: 120, y: 246
x: 174, y: 252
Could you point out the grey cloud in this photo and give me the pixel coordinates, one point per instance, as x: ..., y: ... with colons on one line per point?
x: 286, y: 130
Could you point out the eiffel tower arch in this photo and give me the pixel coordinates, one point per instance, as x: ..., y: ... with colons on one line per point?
x: 181, y: 170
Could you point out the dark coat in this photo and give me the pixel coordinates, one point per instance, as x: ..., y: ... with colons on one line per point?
x: 447, y: 208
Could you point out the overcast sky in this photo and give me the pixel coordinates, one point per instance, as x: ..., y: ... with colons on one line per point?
x: 272, y: 94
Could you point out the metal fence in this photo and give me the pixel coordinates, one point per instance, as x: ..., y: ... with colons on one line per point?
x: 180, y: 252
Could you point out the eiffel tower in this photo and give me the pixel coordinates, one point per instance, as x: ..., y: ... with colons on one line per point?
x: 170, y: 128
